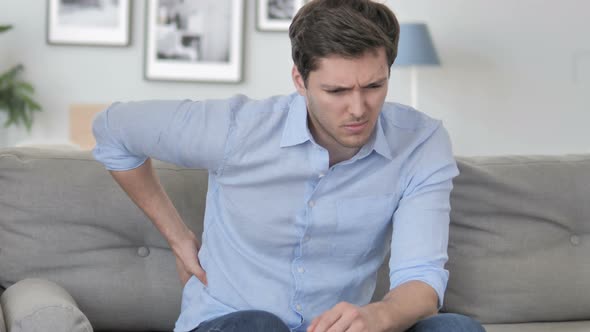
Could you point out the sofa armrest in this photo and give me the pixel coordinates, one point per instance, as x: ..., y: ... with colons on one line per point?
x: 33, y: 305
x: 2, y: 324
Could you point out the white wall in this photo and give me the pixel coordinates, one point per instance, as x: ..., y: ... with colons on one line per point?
x: 507, y: 81
x: 515, y: 76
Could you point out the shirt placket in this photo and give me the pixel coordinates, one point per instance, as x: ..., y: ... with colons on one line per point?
x: 319, y: 162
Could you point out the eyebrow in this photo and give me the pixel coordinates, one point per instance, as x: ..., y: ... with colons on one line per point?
x: 339, y: 87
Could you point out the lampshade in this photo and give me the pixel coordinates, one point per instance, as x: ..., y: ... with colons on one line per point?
x: 415, y: 46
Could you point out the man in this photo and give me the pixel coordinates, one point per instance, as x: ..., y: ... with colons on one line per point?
x: 307, y: 193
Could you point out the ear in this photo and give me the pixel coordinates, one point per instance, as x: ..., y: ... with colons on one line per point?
x: 298, y: 81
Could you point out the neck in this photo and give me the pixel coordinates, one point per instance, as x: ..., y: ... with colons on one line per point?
x: 337, y: 156
x: 337, y: 152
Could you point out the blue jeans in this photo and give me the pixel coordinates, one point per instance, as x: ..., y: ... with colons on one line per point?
x: 447, y: 323
x: 262, y: 321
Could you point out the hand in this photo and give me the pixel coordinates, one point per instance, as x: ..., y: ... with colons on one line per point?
x: 187, y: 261
x: 344, y: 317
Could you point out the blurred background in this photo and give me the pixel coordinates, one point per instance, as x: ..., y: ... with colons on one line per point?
x: 514, y: 75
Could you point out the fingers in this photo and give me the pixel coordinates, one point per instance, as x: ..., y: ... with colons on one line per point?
x: 186, y: 252
x: 356, y: 326
x: 196, y: 270
x: 188, y: 268
x: 345, y: 322
x: 326, y: 320
x: 342, y: 317
x: 313, y: 324
x: 184, y: 278
x: 183, y: 275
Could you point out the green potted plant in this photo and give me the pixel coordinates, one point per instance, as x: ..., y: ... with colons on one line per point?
x: 16, y: 95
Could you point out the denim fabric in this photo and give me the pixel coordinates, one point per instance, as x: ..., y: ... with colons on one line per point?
x: 244, y: 321
x: 262, y: 321
x: 447, y: 323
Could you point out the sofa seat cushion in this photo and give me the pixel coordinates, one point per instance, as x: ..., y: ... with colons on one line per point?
x: 37, y: 305
x: 63, y: 218
x: 519, y: 247
x: 581, y: 326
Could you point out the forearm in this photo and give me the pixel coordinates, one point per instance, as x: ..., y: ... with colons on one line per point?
x: 403, y: 306
x: 143, y: 187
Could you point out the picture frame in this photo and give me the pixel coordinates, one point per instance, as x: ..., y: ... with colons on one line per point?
x: 89, y: 22
x: 194, y: 40
x: 276, y: 15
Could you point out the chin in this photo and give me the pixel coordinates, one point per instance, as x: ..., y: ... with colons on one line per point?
x: 354, y: 144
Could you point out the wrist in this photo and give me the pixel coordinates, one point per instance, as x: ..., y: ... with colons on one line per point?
x: 181, y: 239
x: 384, y: 316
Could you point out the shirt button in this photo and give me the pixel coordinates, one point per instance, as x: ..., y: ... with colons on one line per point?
x: 321, y: 175
x: 306, y: 238
x: 311, y: 204
x: 298, y: 307
x: 300, y: 269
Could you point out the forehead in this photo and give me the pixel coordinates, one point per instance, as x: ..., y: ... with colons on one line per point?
x: 339, y: 69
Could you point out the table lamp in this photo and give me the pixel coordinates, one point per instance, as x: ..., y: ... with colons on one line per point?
x: 415, y: 49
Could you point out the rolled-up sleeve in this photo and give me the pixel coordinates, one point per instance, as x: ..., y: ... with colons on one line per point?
x: 186, y: 133
x: 421, y: 221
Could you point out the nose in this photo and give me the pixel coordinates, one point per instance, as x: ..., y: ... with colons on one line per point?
x: 357, y: 107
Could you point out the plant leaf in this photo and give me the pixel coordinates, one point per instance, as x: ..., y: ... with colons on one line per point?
x: 31, y: 104
x: 25, y: 86
x: 16, y: 99
x: 11, y: 74
x: 5, y: 28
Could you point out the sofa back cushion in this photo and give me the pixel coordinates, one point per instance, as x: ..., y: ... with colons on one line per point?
x: 519, y: 248
x: 63, y: 218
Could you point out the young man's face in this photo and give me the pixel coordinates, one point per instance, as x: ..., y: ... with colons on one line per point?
x: 344, y: 98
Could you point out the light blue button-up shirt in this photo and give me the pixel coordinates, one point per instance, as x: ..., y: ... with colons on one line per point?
x: 285, y: 232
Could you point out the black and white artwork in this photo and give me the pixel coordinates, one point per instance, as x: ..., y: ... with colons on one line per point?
x: 89, y: 22
x: 194, y: 40
x: 276, y: 15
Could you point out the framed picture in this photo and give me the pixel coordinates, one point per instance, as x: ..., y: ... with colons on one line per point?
x: 89, y: 22
x: 194, y: 40
x: 276, y: 15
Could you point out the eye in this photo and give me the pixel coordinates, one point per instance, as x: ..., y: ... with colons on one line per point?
x: 375, y: 86
x: 335, y: 92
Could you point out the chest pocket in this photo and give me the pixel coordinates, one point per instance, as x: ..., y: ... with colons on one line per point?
x: 362, y: 223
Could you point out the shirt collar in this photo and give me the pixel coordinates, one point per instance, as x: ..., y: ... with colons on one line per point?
x: 295, y: 131
x: 380, y: 144
x: 377, y: 142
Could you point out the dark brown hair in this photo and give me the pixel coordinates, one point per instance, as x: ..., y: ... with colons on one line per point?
x: 347, y: 28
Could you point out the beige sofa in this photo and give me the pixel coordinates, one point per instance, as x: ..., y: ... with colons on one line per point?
x: 77, y: 255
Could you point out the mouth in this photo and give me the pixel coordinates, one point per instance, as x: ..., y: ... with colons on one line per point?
x: 355, y: 128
